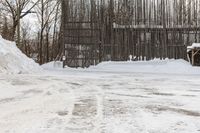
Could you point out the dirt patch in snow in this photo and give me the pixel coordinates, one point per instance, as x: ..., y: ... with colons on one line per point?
x: 175, y: 110
x: 163, y: 94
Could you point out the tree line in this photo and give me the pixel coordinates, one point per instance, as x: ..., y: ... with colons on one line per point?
x: 38, y: 39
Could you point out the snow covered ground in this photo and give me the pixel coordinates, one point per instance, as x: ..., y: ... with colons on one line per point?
x: 123, y: 97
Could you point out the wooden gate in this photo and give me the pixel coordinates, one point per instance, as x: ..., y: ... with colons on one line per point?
x: 82, y: 44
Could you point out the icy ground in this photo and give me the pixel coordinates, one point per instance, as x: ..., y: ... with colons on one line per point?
x: 97, y: 101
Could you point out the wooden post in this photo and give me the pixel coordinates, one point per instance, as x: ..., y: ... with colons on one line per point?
x: 18, y: 27
x: 192, y: 57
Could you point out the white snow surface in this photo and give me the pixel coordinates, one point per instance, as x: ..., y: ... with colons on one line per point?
x: 12, y: 60
x: 167, y: 66
x: 96, y: 101
x: 158, y: 96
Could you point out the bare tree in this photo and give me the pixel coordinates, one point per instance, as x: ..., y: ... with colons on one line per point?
x: 5, y: 29
x: 55, y: 47
x: 16, y: 9
x: 46, y: 12
x: 1, y: 21
x: 26, y: 28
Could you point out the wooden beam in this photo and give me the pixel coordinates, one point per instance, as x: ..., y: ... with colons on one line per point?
x: 196, y: 52
x: 192, y: 57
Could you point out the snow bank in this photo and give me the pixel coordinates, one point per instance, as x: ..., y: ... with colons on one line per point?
x: 12, y: 60
x: 168, y: 66
x: 53, y: 64
x: 58, y: 66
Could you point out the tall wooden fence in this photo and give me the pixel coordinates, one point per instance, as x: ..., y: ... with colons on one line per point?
x: 142, y: 28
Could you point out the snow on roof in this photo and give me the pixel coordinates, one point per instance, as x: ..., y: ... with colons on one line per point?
x: 115, y: 25
x: 194, y: 45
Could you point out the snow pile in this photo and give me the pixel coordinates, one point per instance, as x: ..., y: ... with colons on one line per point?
x: 12, y: 60
x: 53, y: 64
x: 168, y: 66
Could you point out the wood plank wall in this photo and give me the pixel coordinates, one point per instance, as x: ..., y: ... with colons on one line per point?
x: 145, y: 29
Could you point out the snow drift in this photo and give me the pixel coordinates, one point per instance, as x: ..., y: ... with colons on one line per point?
x: 12, y: 60
x: 167, y: 66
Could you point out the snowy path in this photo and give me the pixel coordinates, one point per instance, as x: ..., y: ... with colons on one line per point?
x: 99, y: 103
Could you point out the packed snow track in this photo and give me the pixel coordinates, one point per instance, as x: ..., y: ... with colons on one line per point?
x: 91, y: 102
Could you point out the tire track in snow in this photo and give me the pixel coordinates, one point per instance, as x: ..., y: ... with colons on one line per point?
x: 99, y: 117
x: 63, y: 116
